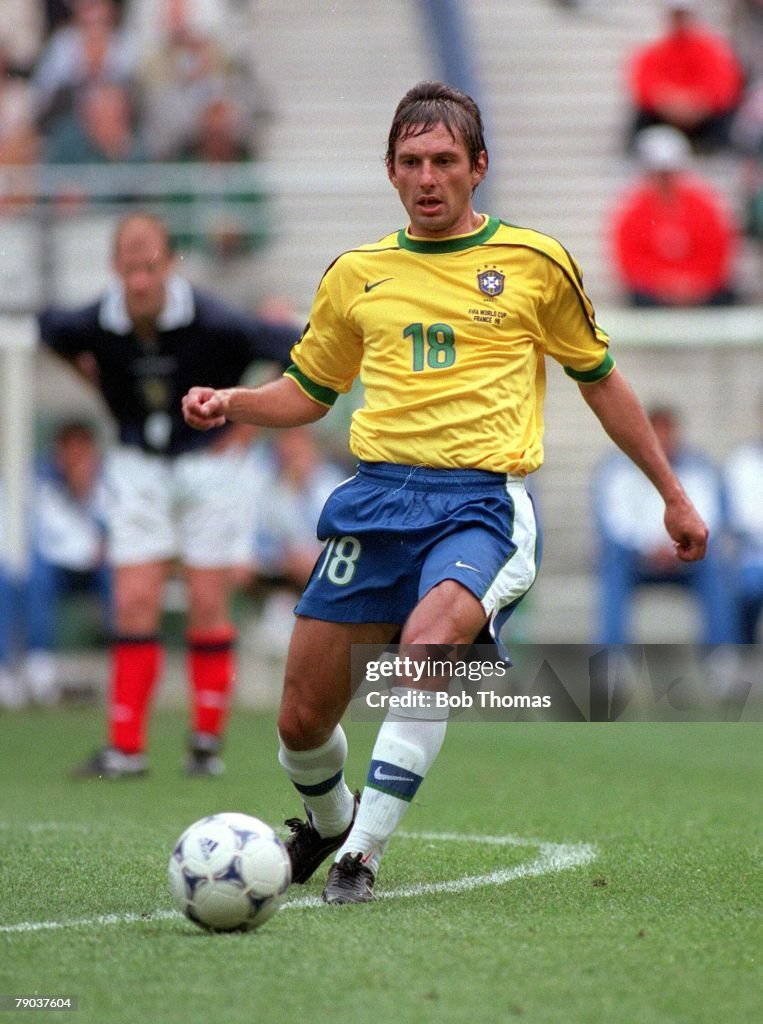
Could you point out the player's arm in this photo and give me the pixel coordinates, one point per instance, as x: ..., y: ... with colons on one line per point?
x: 68, y: 335
x: 273, y: 341
x: 623, y: 418
x: 279, y: 403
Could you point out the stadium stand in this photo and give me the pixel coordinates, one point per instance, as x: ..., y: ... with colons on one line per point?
x: 550, y: 79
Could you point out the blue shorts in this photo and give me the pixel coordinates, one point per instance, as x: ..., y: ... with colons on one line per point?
x: 393, y: 532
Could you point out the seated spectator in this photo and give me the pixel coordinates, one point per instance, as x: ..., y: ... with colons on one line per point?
x: 285, y: 542
x: 19, y: 142
x: 286, y: 545
x: 674, y: 241
x: 194, y: 52
x: 186, y: 72
x: 67, y: 550
x: 631, y: 539
x: 744, y: 484
x: 689, y: 78
x: 99, y: 130
x: 91, y: 47
x: 221, y: 136
x: 18, y: 139
x: 223, y: 223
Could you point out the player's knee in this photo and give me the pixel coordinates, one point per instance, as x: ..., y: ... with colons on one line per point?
x: 136, y: 612
x: 207, y: 607
x: 446, y: 629
x: 302, y: 727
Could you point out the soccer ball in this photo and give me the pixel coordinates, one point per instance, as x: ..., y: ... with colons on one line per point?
x: 229, y: 872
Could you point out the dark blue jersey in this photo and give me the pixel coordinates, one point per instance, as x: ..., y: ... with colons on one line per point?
x: 199, y: 340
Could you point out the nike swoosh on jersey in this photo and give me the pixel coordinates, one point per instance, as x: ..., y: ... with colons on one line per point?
x: 369, y: 286
x: 464, y: 565
x: 381, y: 776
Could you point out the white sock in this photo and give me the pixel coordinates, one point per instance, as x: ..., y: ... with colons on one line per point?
x: 318, y: 777
x: 405, y: 748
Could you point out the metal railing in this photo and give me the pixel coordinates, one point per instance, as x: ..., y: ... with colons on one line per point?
x: 53, y: 214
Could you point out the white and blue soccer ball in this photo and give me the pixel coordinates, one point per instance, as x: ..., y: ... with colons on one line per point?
x: 229, y: 872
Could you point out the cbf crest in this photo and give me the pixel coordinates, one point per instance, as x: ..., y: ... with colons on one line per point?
x: 491, y: 282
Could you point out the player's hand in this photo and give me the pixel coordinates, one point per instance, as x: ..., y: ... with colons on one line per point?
x: 688, y: 531
x: 204, y: 408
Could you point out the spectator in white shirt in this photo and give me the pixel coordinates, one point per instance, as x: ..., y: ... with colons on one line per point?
x: 632, y: 548
x: 67, y: 550
x: 744, y: 486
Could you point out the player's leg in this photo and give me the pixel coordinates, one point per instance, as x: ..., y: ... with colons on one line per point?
x: 216, y: 500
x: 140, y: 543
x: 211, y: 644
x: 618, y: 576
x: 360, y: 592
x: 467, y: 577
x: 137, y: 652
x: 406, y: 746
x: 749, y: 600
x: 710, y: 579
x: 313, y: 745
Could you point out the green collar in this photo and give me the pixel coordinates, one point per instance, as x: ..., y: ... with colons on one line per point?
x: 445, y: 245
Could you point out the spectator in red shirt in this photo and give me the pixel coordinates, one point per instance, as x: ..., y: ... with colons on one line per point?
x: 674, y: 240
x: 689, y: 78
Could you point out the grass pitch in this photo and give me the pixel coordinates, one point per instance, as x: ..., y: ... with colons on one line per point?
x: 560, y: 873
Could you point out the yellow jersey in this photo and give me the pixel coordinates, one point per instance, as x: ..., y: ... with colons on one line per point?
x: 449, y: 338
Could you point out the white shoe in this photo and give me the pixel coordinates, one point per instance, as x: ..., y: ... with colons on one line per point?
x: 41, y: 677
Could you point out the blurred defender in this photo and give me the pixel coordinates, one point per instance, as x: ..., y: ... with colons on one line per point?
x: 170, y: 497
x: 447, y: 322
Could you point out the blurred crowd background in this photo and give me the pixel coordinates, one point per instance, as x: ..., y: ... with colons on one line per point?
x: 633, y: 132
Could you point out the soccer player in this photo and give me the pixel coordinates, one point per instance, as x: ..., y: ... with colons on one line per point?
x: 175, y: 496
x: 689, y: 77
x: 448, y: 322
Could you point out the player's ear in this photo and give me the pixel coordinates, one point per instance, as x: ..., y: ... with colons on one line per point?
x: 480, y: 168
x: 391, y: 173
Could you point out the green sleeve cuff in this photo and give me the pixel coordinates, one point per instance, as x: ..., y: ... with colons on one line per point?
x: 326, y: 396
x: 605, y: 367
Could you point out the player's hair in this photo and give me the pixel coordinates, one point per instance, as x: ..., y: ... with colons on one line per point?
x: 428, y: 104
x: 145, y: 218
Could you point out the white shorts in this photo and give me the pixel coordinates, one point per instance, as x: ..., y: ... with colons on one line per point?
x: 197, y: 507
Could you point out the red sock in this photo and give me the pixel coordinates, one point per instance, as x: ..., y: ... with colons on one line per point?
x: 212, y: 670
x: 135, y: 666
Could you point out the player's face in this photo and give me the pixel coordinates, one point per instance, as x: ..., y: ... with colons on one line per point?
x: 143, y: 263
x: 435, y: 180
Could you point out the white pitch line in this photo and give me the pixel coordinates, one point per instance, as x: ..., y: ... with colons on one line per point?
x: 87, y: 922
x: 53, y: 826
x: 553, y: 857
